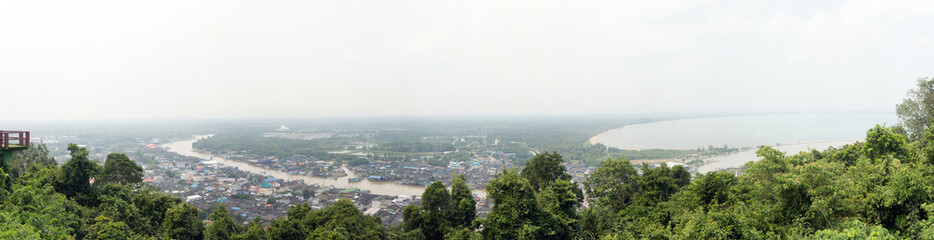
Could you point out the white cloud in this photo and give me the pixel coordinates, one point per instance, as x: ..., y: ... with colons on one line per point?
x: 177, y: 59
x: 923, y: 42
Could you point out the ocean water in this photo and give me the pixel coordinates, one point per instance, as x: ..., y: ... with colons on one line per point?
x: 787, y: 133
x: 744, y: 131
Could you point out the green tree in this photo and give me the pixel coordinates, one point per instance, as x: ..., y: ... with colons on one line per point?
x: 153, y: 205
x: 465, y: 207
x: 181, y: 222
x: 120, y: 169
x: 412, y: 218
x: 76, y: 175
x: 463, y: 234
x: 254, y: 231
x: 222, y: 226
x: 39, y: 208
x: 436, y: 210
x: 12, y: 228
x: 881, y: 142
x: 855, y: 229
x: 656, y: 184
x: 343, y: 219
x: 596, y: 221
x: 916, y: 112
x: 308, y: 193
x: 6, y: 184
x: 560, y: 200
x: 543, y: 169
x: 681, y: 175
x: 613, y: 184
x: 119, y: 210
x: 713, y: 188
x: 107, y: 229
x: 516, y: 212
x: 286, y: 230
x: 37, y: 154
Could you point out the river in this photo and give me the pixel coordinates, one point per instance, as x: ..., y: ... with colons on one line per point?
x: 381, y: 188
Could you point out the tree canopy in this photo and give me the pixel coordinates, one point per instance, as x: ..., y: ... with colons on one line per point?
x: 916, y: 112
x: 120, y: 169
x: 544, y: 169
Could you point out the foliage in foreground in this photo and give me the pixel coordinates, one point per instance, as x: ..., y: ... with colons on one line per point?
x: 881, y: 188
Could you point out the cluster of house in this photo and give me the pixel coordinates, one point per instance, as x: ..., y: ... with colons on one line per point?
x: 478, y: 171
x: 305, y: 166
x: 206, y: 184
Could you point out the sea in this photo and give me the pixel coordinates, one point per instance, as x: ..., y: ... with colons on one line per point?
x: 790, y: 133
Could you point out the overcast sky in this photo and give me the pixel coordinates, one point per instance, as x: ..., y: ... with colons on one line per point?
x: 63, y: 60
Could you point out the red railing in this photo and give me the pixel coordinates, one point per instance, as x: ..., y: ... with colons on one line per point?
x: 21, y: 136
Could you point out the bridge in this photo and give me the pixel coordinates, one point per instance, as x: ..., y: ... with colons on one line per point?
x: 12, y: 142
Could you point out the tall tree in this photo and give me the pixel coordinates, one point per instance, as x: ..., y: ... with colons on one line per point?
x: 881, y: 142
x: 681, y: 175
x: 120, y: 169
x: 76, y: 176
x: 222, y: 226
x: 436, y: 210
x: 656, y: 184
x: 119, y: 210
x: 916, y: 112
x: 614, y: 184
x: 154, y: 205
x: 543, y: 169
x: 107, y: 229
x: 181, y: 222
x: 713, y: 188
x: 465, y: 207
x: 342, y: 219
x: 284, y: 229
x: 254, y: 231
x: 561, y: 201
x: 37, y: 154
x: 412, y: 218
x: 516, y: 212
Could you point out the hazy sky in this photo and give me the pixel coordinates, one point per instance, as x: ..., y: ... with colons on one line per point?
x: 64, y: 60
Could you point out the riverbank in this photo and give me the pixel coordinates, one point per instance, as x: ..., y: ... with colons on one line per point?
x: 380, y: 188
x: 739, y: 159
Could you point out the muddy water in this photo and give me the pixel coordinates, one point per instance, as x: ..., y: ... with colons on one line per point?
x: 381, y: 188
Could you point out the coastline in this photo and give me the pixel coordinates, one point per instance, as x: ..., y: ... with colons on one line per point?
x: 739, y: 159
x: 593, y: 140
x: 738, y: 131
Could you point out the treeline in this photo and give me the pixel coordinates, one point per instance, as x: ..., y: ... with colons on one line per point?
x: 570, y: 137
x: 252, y: 142
x: 409, y: 137
x: 414, y: 146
